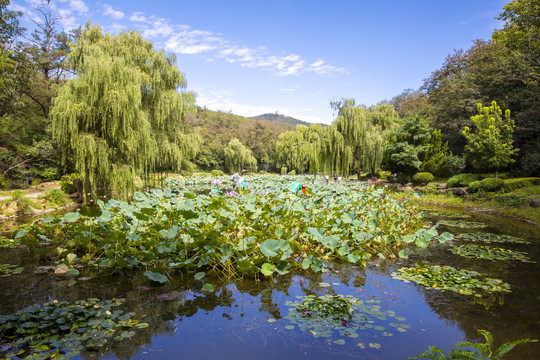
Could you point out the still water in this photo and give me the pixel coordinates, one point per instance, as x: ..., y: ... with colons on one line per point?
x: 248, y: 319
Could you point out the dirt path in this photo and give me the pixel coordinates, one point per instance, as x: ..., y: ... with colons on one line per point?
x: 33, y: 191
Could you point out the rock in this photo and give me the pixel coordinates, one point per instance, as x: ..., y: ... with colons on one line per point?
x: 409, y: 185
x: 442, y: 185
x: 444, y: 191
x: 459, y: 191
x: 419, y: 190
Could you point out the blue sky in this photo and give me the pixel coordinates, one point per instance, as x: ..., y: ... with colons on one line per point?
x: 293, y: 57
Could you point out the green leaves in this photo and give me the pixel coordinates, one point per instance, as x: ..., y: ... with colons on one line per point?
x: 64, y: 329
x: 448, y: 278
x: 157, y: 277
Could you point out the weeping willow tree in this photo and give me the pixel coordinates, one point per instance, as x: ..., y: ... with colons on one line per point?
x: 293, y: 149
x: 365, y: 133
x: 123, y: 114
x: 237, y: 156
x: 328, y: 152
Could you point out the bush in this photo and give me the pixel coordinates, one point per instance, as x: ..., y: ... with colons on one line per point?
x: 462, y: 180
x: 3, y: 184
x: 66, y: 183
x: 454, y: 164
x: 24, y: 205
x: 403, y: 178
x: 284, y: 170
x: 503, y: 176
x: 486, y: 185
x: 422, y: 178
x: 54, y: 197
x: 292, y: 172
x: 217, y: 172
x: 516, y: 184
x: 530, y: 164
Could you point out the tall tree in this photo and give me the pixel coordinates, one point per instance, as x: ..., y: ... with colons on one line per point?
x: 489, y: 145
x: 293, y: 149
x: 123, y: 114
x: 237, y: 156
x: 365, y: 132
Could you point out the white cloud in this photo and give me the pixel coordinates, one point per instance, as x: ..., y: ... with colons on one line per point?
x: 183, y: 39
x: 222, y: 101
x: 115, y: 14
x: 79, y: 6
x: 138, y: 16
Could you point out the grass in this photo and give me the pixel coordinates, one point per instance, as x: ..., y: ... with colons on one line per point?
x: 515, y: 204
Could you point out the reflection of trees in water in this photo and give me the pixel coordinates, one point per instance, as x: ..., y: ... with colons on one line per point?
x: 508, y: 316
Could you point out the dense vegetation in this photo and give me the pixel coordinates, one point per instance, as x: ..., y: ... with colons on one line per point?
x: 59, y: 115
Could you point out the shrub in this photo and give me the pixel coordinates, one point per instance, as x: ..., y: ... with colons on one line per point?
x: 24, y: 205
x: 292, y: 172
x: 454, y: 164
x: 66, y: 183
x: 217, y: 172
x: 284, y: 170
x: 3, y: 184
x: 530, y: 164
x: 462, y: 180
x: 48, y: 174
x: 486, y: 185
x: 16, y: 195
x: 403, y: 178
x: 422, y: 178
x: 54, y: 197
x: 503, y: 176
x: 516, y: 184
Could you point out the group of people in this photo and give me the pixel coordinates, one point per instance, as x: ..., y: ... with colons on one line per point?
x: 337, y: 178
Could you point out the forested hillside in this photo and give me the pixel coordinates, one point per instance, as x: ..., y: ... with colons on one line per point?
x: 282, y: 120
x: 219, y: 128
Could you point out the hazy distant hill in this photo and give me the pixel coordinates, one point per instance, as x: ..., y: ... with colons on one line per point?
x: 281, y: 120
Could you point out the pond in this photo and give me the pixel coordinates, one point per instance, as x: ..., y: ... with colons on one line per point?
x: 264, y: 319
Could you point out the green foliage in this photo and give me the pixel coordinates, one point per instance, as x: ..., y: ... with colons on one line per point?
x: 8, y: 270
x: 292, y: 172
x: 55, y: 197
x: 237, y: 157
x: 24, y: 205
x: 123, y: 114
x: 66, y: 183
x: 216, y: 172
x: 462, y: 180
x: 489, y: 146
x: 485, y: 185
x: 489, y: 253
x: 265, y: 231
x: 422, y: 178
x: 465, y: 282
x: 326, y: 315
x: 403, y: 178
x: 64, y: 329
x: 519, y: 183
x: 482, y: 351
x: 530, y: 164
x: 454, y: 165
x: 492, y: 238
x: 365, y: 133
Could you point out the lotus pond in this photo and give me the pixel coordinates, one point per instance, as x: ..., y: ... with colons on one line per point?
x: 197, y: 271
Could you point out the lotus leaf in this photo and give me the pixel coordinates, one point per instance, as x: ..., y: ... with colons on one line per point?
x: 490, y: 253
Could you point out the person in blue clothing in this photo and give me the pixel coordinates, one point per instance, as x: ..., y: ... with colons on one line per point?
x: 335, y: 177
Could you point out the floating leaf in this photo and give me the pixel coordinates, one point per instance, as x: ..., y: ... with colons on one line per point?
x: 199, y: 275
x: 208, y: 287
x: 157, y: 277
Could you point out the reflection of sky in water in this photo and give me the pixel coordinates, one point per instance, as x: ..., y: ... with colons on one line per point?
x: 223, y: 332
x: 233, y: 322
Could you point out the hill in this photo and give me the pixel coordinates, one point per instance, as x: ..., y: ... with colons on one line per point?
x: 282, y: 120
